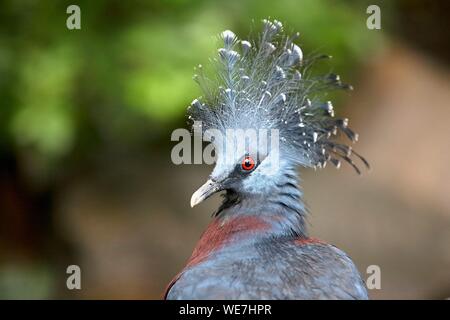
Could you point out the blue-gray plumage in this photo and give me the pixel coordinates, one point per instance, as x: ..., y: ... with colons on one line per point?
x: 257, y: 246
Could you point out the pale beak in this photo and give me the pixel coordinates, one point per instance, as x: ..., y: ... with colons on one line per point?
x: 209, y: 188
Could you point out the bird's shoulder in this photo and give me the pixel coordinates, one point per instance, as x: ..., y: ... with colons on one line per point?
x: 319, y: 268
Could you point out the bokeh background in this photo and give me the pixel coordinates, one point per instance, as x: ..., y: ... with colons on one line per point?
x: 85, y: 123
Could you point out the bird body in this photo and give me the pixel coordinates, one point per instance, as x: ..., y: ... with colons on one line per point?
x: 257, y: 246
x: 237, y: 259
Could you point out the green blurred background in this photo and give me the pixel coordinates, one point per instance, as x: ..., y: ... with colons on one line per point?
x: 86, y: 117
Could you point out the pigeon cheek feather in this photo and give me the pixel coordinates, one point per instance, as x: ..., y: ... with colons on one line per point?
x: 263, y: 179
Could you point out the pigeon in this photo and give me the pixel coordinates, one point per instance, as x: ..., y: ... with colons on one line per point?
x: 263, y: 110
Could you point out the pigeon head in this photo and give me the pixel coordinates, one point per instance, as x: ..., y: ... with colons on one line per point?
x: 247, y: 164
x: 264, y: 114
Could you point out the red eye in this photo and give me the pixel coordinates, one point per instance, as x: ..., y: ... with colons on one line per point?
x: 248, y: 163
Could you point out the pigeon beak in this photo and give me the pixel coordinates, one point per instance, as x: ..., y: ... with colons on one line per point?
x: 209, y: 188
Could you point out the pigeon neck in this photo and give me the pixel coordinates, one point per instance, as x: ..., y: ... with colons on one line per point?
x: 245, y: 219
x: 281, y: 210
